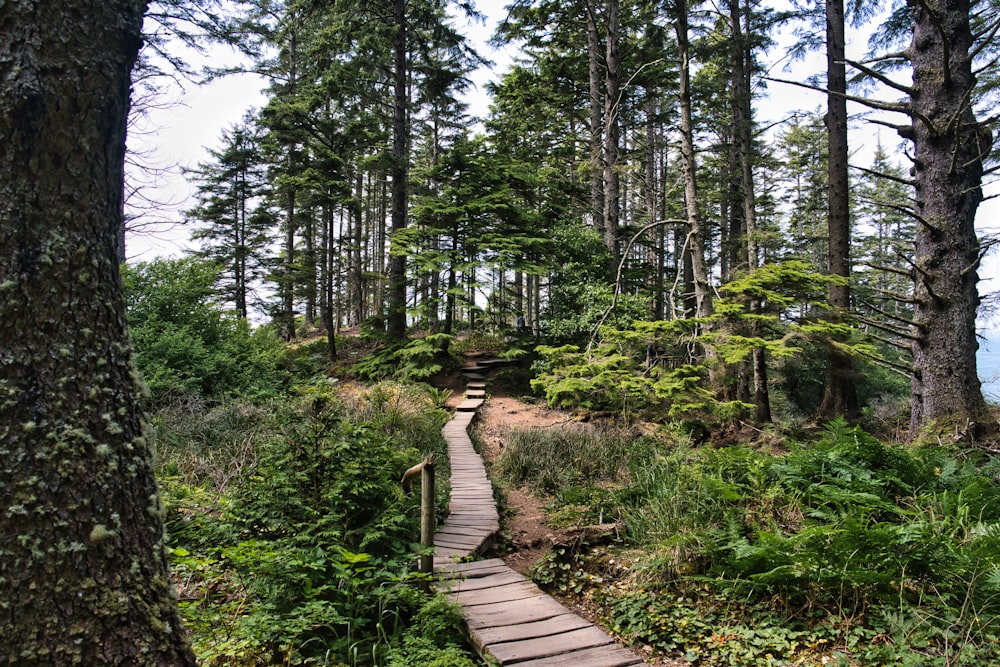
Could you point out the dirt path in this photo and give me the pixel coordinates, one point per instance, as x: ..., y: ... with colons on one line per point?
x: 524, y: 528
x: 524, y: 525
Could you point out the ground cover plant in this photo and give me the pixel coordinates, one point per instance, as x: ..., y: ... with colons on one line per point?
x: 292, y: 541
x: 841, y: 550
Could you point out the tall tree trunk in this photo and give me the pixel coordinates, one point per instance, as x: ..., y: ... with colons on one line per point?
x: 288, y: 278
x: 331, y: 260
x: 612, y: 136
x: 696, y: 236
x: 596, y: 118
x: 396, y: 317
x: 356, y: 285
x: 82, y: 554
x: 949, y: 147
x: 839, y: 394
x: 743, y: 128
x: 309, y: 263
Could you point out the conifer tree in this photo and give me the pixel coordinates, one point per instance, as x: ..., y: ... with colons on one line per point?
x: 235, y: 227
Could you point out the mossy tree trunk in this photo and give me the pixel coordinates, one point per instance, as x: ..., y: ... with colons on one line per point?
x: 949, y: 147
x: 83, y: 571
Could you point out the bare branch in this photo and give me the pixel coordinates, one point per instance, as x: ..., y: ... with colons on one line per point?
x: 899, y: 55
x: 880, y: 174
x: 904, y: 131
x: 906, y: 90
x: 984, y: 37
x: 884, y: 327
x: 893, y: 107
x: 889, y: 269
x: 886, y: 314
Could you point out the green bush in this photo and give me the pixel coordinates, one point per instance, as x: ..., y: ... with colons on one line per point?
x: 187, y: 347
x: 292, y: 541
x: 875, y: 550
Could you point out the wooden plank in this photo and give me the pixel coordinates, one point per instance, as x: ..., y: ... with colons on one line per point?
x: 488, y: 581
x: 548, y: 627
x: 506, y: 594
x: 492, y: 525
x: 473, y: 569
x: 494, y: 615
x: 475, y: 393
x: 448, y: 553
x: 470, y: 405
x: 546, y: 647
x: 475, y: 385
x: 601, y: 656
x: 463, y: 532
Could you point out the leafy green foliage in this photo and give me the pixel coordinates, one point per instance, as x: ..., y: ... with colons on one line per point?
x: 186, y: 345
x: 843, y: 550
x: 842, y: 532
x: 418, y: 359
x: 299, y: 548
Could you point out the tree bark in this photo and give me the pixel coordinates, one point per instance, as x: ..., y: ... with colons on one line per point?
x: 696, y: 236
x: 396, y: 316
x: 596, y: 119
x: 949, y: 147
x: 83, y: 563
x: 743, y: 127
x: 839, y: 393
x: 612, y: 137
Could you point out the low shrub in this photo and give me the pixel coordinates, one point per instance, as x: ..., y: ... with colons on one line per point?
x: 292, y: 541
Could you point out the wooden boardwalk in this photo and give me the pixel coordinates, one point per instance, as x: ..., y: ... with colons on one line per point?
x: 509, y: 619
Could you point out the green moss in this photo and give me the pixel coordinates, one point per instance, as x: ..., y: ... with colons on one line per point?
x: 100, y: 532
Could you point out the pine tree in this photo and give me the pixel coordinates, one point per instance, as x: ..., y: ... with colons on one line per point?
x: 235, y: 227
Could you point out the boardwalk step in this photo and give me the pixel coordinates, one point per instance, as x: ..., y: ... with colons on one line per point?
x: 509, y: 620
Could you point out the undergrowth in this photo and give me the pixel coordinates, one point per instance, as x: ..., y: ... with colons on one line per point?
x: 844, y: 550
x: 291, y: 539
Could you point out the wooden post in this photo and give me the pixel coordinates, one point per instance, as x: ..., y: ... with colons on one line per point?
x: 427, y: 517
x: 427, y: 514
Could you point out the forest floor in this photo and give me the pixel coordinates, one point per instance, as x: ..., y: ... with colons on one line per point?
x: 526, y: 535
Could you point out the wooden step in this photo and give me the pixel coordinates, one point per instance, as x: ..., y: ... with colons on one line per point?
x: 509, y: 620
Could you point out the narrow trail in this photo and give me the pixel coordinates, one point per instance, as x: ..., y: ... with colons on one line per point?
x: 509, y: 619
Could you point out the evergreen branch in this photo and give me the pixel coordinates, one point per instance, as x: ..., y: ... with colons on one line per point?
x: 906, y: 90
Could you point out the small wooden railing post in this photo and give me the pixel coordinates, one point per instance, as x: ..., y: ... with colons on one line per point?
x: 427, y: 513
